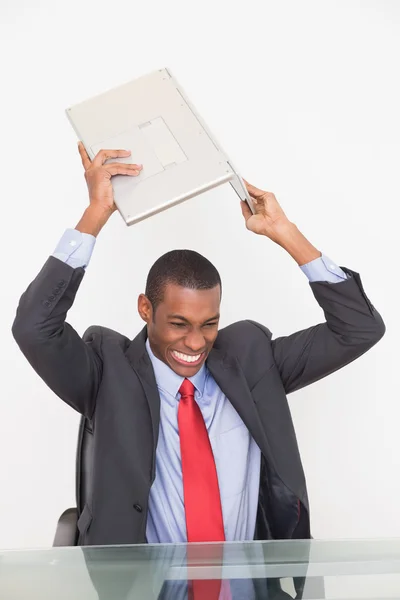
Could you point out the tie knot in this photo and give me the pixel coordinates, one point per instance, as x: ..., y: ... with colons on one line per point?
x: 187, y: 388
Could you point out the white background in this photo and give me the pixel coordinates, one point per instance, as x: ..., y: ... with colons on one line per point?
x: 305, y: 98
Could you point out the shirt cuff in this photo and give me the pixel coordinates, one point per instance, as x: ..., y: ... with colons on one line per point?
x: 75, y: 248
x: 323, y: 269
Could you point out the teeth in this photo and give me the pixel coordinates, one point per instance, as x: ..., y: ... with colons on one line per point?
x: 185, y: 357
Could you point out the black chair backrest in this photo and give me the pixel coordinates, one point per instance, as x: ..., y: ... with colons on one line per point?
x: 84, y: 464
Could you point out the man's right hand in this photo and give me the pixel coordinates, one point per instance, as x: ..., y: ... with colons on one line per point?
x: 98, y: 179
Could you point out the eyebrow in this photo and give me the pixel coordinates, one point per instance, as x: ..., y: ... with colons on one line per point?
x: 215, y: 318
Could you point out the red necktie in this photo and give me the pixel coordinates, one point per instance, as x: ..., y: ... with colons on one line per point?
x: 204, y: 522
x: 203, y: 509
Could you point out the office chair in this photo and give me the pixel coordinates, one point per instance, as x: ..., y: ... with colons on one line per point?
x: 67, y: 526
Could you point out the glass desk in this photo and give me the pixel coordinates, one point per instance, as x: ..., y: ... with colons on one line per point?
x: 252, y: 571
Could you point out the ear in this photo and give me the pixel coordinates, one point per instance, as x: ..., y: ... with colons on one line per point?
x: 145, y: 308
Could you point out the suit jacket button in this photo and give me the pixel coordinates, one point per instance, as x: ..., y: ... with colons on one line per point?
x: 138, y: 508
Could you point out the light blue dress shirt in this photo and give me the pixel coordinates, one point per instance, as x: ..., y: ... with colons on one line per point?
x: 237, y: 457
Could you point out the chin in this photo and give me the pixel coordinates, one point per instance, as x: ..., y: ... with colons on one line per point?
x: 187, y: 373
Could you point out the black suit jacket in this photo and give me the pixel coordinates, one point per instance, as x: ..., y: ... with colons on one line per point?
x: 109, y: 379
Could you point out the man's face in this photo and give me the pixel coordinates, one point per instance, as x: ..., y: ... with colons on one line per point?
x: 184, y: 326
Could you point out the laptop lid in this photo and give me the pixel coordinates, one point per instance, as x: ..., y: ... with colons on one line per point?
x: 152, y: 118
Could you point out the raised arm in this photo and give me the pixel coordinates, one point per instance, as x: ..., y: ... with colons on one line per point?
x: 71, y: 367
x: 352, y: 324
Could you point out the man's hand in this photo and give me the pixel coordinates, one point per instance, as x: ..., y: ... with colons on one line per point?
x: 98, y: 179
x: 271, y: 221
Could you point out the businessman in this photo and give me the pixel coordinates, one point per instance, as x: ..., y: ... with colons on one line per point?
x: 193, y: 437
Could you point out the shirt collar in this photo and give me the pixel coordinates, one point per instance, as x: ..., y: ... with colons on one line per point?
x: 169, y: 381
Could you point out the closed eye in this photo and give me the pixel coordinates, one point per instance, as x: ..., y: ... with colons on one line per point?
x: 184, y: 324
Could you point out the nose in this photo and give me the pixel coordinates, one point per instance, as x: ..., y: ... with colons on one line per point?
x: 195, y: 342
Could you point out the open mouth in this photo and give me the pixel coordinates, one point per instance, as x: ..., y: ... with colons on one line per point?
x: 189, y: 360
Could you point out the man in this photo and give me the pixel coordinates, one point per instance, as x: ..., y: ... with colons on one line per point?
x: 193, y: 438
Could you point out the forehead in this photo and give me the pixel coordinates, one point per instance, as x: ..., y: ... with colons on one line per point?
x: 200, y: 304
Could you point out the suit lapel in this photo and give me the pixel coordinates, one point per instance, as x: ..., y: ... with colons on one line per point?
x: 141, y: 364
x: 231, y: 380
x: 227, y: 373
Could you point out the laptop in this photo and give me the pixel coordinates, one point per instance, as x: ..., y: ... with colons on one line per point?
x: 152, y: 117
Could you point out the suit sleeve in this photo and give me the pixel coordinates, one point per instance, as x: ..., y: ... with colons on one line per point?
x: 71, y: 367
x: 352, y: 327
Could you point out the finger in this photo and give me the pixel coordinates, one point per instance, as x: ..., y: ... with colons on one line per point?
x: 104, y: 155
x: 121, y: 169
x: 246, y: 212
x: 253, y: 190
x: 134, y: 166
x: 84, y: 156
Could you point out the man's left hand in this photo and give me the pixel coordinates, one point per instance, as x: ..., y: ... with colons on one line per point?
x: 269, y: 220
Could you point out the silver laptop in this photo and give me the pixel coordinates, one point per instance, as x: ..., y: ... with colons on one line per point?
x: 152, y: 117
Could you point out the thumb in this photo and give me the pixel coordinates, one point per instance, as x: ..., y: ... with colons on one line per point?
x: 253, y: 190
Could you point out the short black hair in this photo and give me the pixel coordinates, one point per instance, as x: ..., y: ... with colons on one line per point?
x: 185, y: 268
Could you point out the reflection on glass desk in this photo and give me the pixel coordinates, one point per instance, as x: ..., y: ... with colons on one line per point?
x: 251, y: 570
